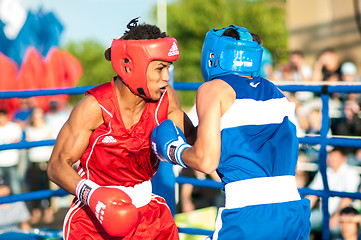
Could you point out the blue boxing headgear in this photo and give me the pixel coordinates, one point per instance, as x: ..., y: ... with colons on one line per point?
x: 223, y: 55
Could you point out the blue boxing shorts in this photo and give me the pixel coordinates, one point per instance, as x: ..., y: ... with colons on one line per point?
x: 263, y: 208
x: 289, y: 220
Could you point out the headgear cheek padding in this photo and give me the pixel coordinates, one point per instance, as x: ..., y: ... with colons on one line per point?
x: 136, y: 55
x: 224, y: 55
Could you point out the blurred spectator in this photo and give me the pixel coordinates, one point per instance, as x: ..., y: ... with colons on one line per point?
x: 349, y: 72
x: 10, y: 132
x: 327, y: 67
x: 22, y: 114
x: 314, y: 121
x: 340, y: 177
x: 266, y: 68
x: 334, y: 104
x: 349, y: 125
x: 350, y: 221
x: 39, y: 157
x: 312, y: 126
x: 303, y: 173
x: 296, y: 70
x: 14, y: 216
x: 56, y: 117
x: 349, y: 76
x: 193, y: 197
x: 299, y: 70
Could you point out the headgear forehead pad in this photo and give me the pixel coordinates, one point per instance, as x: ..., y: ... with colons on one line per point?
x: 224, y: 55
x: 136, y: 55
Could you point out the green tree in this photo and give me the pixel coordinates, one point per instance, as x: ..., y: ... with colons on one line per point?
x: 190, y: 20
x: 96, y: 69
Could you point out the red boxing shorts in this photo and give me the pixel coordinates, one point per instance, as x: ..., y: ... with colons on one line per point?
x: 156, y: 222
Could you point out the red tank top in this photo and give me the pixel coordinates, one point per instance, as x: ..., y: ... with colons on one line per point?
x: 116, y: 155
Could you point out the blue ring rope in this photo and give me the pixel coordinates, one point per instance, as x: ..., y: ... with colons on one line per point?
x: 311, y: 140
x: 181, y: 86
x: 44, y: 92
x: 36, y: 195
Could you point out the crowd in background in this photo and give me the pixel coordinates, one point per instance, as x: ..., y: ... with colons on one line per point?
x: 25, y: 170
x: 343, y: 163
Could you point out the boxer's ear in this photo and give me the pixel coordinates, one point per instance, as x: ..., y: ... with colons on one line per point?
x: 107, y: 54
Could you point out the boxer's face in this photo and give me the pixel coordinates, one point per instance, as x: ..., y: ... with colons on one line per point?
x: 158, y: 78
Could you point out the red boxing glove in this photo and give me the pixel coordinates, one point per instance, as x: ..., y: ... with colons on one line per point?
x: 112, y: 206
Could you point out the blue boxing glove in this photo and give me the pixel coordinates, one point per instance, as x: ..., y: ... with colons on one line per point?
x: 168, y: 143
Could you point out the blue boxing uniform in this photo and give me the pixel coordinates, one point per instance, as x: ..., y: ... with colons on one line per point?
x: 258, y: 160
x: 259, y: 146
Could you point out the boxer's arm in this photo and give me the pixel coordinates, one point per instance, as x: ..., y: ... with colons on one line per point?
x: 213, y: 99
x: 179, y: 117
x: 72, y: 141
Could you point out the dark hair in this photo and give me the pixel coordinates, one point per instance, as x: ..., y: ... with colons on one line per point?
x: 3, y: 111
x: 137, y: 32
x: 142, y: 31
x: 297, y: 52
x: 256, y: 38
x: 53, y: 106
x: 326, y: 50
x: 339, y: 149
x: 231, y: 32
x: 349, y: 210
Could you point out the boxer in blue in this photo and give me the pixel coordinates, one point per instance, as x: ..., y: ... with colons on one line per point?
x: 247, y: 133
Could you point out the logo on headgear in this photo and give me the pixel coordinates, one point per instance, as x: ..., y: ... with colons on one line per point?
x: 173, y: 50
x: 242, y: 63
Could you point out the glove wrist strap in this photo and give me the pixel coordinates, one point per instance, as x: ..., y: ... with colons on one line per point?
x: 178, y: 156
x: 84, y: 189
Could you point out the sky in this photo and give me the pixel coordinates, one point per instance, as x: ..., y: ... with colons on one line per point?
x: 101, y: 20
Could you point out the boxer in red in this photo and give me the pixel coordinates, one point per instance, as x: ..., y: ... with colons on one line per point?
x: 109, y: 131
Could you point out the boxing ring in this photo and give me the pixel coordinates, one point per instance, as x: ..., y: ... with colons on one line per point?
x: 323, y: 140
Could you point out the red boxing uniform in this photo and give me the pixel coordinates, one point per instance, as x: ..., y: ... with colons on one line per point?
x: 122, y: 158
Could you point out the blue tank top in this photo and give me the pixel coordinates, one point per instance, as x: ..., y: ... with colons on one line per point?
x: 257, y: 132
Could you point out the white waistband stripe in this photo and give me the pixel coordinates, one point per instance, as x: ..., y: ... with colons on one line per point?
x: 140, y: 194
x: 259, y: 191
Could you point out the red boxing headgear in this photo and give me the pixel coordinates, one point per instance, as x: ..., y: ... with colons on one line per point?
x: 139, y: 53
